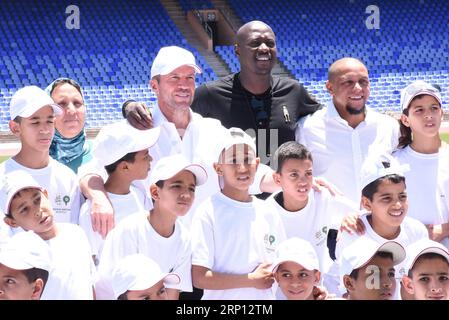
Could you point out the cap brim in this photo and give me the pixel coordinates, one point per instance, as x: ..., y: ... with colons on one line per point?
x: 171, y: 278
x: 7, y: 259
x: 56, y: 109
x: 199, y: 172
x: 13, y: 193
x: 435, y: 250
x: 301, y: 262
x: 396, y: 249
x: 419, y: 93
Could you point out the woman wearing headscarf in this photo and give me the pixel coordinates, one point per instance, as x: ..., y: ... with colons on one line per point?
x: 69, y: 145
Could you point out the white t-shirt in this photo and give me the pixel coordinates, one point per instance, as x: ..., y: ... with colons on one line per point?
x: 124, y: 205
x: 198, y: 145
x: 61, y: 184
x: 134, y: 234
x: 411, y: 231
x: 234, y: 237
x: 427, y: 185
x: 339, y: 150
x: 312, y: 223
x: 73, y: 272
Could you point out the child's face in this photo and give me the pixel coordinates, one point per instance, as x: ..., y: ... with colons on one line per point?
x: 14, y: 285
x: 295, y: 179
x: 295, y: 281
x: 389, y: 205
x: 238, y: 166
x: 156, y: 292
x: 31, y: 210
x: 138, y: 170
x: 375, y: 281
x: 424, y: 116
x: 430, y: 279
x: 178, y: 193
x: 37, y: 131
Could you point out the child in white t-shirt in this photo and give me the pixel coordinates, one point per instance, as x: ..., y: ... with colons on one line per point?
x: 367, y: 269
x: 427, y: 271
x: 234, y: 234
x: 296, y: 269
x: 123, y: 151
x: 421, y: 147
x: 33, y: 114
x: 306, y: 213
x: 138, y: 277
x: 158, y: 233
x: 27, y: 206
x: 385, y: 199
x: 25, y: 262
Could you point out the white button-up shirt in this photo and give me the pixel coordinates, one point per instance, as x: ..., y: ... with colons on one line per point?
x: 338, y: 150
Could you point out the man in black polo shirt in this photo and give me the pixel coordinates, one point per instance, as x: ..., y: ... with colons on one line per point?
x: 253, y: 98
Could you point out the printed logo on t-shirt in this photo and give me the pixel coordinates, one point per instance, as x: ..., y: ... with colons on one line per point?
x: 269, y: 240
x: 62, y: 206
x: 321, y: 235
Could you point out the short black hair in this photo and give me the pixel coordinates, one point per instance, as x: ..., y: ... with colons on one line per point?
x: 129, y: 157
x: 123, y: 296
x: 370, y: 189
x: 381, y: 254
x: 36, y: 273
x: 427, y: 256
x: 290, y: 150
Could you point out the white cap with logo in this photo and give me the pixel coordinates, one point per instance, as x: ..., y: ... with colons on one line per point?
x: 296, y: 250
x: 378, y: 166
x: 27, y: 100
x: 235, y: 136
x: 420, y: 247
x: 26, y: 250
x: 171, y: 58
x: 12, y: 183
x: 116, y: 140
x: 168, y: 167
x: 417, y: 88
x: 139, y: 272
x: 363, y: 249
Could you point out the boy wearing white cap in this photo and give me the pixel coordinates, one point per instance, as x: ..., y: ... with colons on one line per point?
x: 367, y: 269
x: 421, y: 147
x: 33, y: 114
x: 296, y: 269
x: 138, y: 277
x: 427, y: 270
x: 157, y: 234
x: 27, y: 206
x: 234, y: 234
x: 123, y: 151
x: 25, y: 261
x: 385, y: 199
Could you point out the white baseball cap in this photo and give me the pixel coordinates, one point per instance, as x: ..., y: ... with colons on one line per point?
x: 116, y: 140
x: 139, y: 272
x: 170, y: 166
x: 171, y: 58
x: 12, y: 183
x: 26, y: 250
x: 296, y: 250
x: 417, y: 88
x: 27, y: 100
x: 420, y: 247
x: 363, y: 249
x: 235, y: 136
x: 378, y: 166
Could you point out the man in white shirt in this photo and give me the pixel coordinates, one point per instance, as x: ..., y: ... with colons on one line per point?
x: 182, y: 131
x: 342, y: 135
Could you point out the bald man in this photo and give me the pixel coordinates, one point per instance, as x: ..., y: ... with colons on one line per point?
x: 342, y: 135
x: 253, y: 98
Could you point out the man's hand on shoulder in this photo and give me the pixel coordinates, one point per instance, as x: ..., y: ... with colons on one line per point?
x: 137, y: 115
